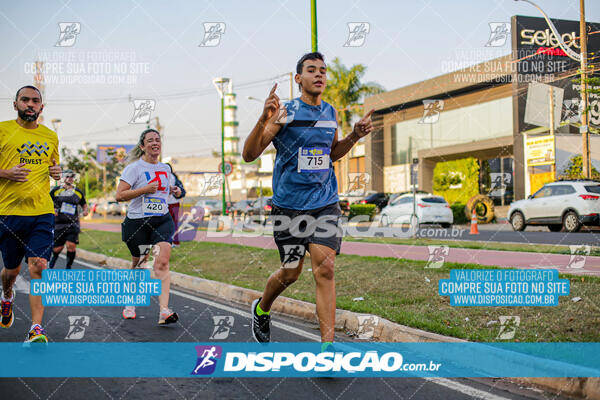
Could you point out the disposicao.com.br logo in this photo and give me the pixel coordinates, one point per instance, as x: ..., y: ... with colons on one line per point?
x: 305, y: 360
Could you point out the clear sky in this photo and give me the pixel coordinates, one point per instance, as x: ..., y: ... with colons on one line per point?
x: 151, y: 50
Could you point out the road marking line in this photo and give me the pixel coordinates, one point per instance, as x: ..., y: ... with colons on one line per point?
x: 21, y: 284
x: 450, y: 384
x: 465, y: 389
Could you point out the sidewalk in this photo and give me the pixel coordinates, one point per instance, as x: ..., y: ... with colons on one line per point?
x: 506, y: 259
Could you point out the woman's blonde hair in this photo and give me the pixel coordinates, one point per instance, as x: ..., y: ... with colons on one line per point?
x: 136, y: 153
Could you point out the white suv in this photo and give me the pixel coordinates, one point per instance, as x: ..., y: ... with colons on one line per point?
x: 561, y: 205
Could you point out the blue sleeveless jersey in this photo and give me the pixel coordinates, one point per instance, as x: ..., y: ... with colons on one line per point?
x: 308, y: 130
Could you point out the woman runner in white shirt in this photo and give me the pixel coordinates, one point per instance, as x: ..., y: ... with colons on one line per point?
x: 148, y: 183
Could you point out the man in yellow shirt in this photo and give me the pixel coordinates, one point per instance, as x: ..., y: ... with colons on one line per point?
x: 28, y: 154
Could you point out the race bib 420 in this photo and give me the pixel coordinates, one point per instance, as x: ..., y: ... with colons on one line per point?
x: 154, y: 206
x: 313, y: 159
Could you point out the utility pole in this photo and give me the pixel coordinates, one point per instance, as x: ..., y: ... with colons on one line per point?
x: 585, y: 116
x: 85, y: 159
x: 313, y: 25
x: 220, y: 85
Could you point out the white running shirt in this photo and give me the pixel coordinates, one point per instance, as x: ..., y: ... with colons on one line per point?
x: 139, y: 174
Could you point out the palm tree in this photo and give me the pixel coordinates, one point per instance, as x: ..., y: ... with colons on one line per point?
x: 345, y: 91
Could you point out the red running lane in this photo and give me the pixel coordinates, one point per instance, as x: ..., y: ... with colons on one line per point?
x: 506, y: 259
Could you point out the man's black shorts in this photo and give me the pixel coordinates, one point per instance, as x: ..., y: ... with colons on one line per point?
x: 293, y: 230
x: 146, y: 231
x: 68, y: 233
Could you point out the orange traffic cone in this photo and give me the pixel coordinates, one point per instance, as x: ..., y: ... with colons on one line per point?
x: 474, y: 230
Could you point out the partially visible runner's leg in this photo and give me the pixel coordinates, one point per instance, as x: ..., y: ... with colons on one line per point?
x: 8, y: 296
x: 161, y: 270
x: 277, y: 283
x: 261, y: 308
x: 36, y: 333
x: 71, y: 251
x: 323, y: 258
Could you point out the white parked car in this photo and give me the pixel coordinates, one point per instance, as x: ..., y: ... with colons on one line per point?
x: 561, y: 205
x: 430, y: 209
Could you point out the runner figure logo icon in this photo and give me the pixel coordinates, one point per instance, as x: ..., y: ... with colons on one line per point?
x: 212, y: 34
x: 508, y: 327
x: 499, y: 32
x: 499, y: 183
x: 223, y: 325
x: 213, y: 183
x: 579, y: 254
x: 431, y: 111
x: 293, y: 254
x: 366, y: 326
x: 357, y: 183
x: 571, y: 111
x: 142, y: 111
x: 68, y: 33
x: 207, y: 359
x: 357, y: 33
x: 437, y: 256
x: 77, y: 325
x: 188, y: 224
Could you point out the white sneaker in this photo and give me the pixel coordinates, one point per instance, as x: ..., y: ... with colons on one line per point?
x: 129, y: 312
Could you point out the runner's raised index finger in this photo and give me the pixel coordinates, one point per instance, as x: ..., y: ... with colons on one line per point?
x: 273, y: 89
x: 367, y: 115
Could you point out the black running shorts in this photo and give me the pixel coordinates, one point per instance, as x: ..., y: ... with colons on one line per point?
x: 294, y: 230
x: 146, y: 231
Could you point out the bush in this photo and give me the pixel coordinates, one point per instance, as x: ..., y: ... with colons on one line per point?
x: 362, y: 209
x: 266, y: 191
x: 463, y: 173
x: 458, y: 211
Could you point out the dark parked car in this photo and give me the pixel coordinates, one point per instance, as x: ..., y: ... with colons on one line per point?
x: 241, y: 208
x: 210, y: 206
x: 380, y: 200
x: 261, y: 206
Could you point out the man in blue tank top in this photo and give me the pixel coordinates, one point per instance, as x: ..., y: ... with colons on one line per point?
x: 305, y: 210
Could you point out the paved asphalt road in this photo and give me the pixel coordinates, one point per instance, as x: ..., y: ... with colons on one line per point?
x: 196, y: 325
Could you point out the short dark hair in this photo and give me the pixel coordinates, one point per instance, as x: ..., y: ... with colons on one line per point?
x: 308, y: 56
x: 27, y: 87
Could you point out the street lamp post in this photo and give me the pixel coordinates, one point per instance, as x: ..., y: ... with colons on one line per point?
x: 56, y: 124
x: 220, y: 84
x: 85, y: 177
x: 313, y: 25
x: 582, y: 59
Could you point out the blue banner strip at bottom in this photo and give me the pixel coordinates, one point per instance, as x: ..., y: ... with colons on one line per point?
x: 224, y: 359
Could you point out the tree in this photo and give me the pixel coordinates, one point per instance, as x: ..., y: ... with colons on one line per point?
x: 574, y: 168
x: 345, y: 91
x: 85, y: 160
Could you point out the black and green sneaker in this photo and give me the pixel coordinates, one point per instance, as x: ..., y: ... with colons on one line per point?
x: 261, y: 324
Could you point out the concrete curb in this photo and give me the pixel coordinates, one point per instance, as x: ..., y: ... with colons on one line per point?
x: 384, y: 330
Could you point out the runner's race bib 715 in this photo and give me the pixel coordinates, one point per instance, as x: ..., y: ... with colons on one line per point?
x: 154, y: 206
x: 68, y: 208
x: 313, y: 159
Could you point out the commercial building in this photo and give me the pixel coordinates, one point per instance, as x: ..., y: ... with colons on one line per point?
x: 496, y: 111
